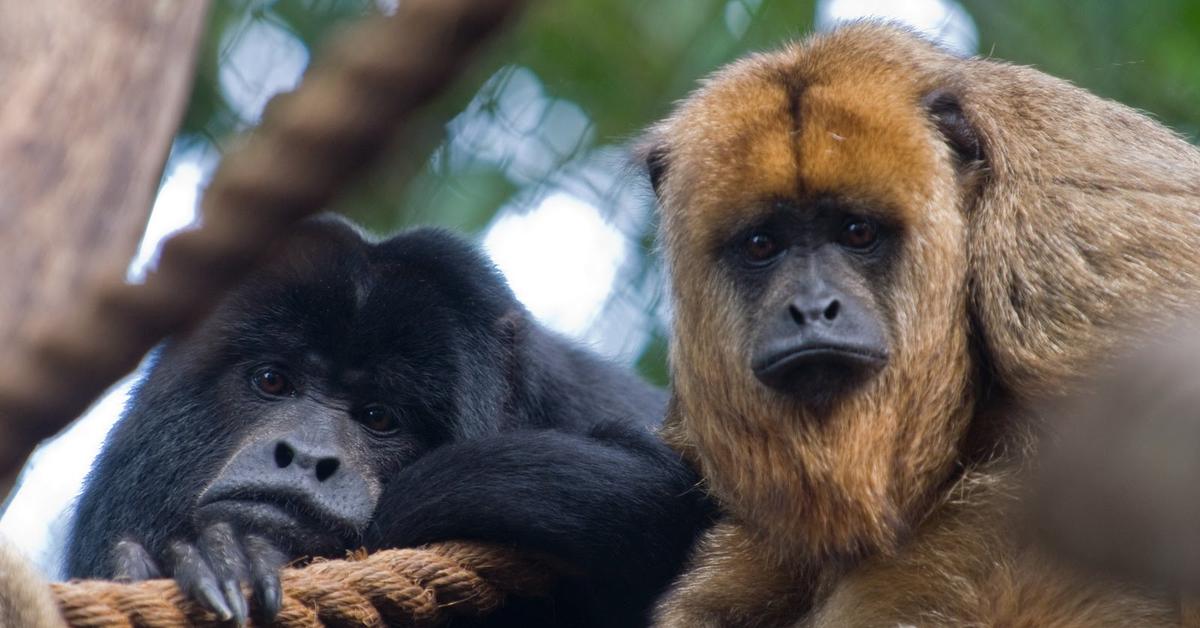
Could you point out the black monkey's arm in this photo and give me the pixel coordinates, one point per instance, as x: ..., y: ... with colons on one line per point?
x: 615, y: 503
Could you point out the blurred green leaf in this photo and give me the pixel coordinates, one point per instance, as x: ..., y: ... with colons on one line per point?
x: 652, y: 364
x: 1143, y: 54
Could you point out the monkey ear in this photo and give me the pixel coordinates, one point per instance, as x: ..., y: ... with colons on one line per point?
x: 946, y: 110
x: 512, y: 325
x: 655, y: 158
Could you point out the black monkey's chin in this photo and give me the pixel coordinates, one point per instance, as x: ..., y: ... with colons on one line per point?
x: 287, y: 525
x: 816, y: 374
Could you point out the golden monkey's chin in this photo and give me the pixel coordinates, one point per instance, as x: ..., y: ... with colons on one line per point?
x: 832, y: 485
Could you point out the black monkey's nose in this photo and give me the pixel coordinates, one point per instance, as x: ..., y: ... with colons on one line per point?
x: 807, y: 310
x: 324, y: 467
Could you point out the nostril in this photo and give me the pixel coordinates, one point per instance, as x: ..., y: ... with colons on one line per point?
x: 797, y: 314
x: 326, y: 467
x: 283, y: 455
x: 831, y: 311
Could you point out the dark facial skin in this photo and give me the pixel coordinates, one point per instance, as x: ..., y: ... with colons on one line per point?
x: 806, y: 275
x: 305, y: 481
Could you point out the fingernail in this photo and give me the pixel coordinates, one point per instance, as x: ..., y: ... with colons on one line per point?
x: 215, y: 602
x: 272, y: 598
x: 237, y: 601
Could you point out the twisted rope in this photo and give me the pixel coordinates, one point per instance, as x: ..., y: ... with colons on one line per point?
x: 312, y: 143
x: 403, y: 587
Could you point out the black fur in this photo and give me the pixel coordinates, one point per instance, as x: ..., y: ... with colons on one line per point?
x: 506, y: 433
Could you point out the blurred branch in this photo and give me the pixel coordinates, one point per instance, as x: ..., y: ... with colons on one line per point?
x: 312, y: 143
x: 93, y: 93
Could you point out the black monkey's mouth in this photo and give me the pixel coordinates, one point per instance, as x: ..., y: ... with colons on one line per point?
x: 288, y: 520
x: 816, y: 372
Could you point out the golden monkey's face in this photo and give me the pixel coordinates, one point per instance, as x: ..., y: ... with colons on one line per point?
x: 811, y: 214
x: 804, y: 278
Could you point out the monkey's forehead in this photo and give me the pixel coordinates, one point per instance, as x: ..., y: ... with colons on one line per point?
x: 837, y: 115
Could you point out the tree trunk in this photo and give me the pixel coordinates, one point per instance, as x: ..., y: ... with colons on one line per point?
x: 93, y: 93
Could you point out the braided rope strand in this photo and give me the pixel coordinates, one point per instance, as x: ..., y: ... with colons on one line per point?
x: 418, y: 588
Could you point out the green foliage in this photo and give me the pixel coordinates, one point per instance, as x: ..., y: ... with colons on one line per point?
x: 653, y: 363
x: 209, y: 116
x: 1143, y: 54
x: 626, y: 61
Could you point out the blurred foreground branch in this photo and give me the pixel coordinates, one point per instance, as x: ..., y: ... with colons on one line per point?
x: 93, y: 92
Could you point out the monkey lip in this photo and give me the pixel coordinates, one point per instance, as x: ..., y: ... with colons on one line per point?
x: 279, y: 517
x: 779, y: 367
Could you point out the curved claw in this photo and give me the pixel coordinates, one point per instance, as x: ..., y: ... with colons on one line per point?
x: 197, y: 580
x: 131, y: 562
x: 223, y: 553
x: 268, y: 594
x: 210, y: 596
x: 214, y: 571
x: 236, y: 600
x: 265, y: 562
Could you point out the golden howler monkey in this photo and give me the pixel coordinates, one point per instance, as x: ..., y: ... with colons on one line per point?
x: 881, y: 253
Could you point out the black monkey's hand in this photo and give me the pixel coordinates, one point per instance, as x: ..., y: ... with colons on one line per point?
x: 212, y: 570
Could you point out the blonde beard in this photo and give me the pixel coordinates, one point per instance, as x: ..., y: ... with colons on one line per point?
x: 840, y: 484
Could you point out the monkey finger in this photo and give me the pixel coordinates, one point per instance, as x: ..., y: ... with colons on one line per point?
x: 223, y: 552
x: 236, y: 599
x: 196, y: 579
x: 265, y: 562
x: 131, y: 562
x: 268, y: 595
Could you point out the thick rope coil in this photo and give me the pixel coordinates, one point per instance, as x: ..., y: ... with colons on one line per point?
x: 403, y: 587
x: 312, y: 142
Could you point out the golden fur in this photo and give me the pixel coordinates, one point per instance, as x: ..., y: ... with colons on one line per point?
x: 25, y: 598
x: 1015, y: 275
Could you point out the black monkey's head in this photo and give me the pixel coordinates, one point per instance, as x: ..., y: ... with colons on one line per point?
x: 324, y: 374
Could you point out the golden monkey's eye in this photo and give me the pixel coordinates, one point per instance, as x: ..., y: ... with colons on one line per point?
x: 760, y: 248
x: 858, y: 233
x: 379, y: 419
x: 272, y: 382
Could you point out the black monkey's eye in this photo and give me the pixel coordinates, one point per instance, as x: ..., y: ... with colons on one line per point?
x: 759, y: 248
x: 379, y: 419
x: 858, y: 233
x: 272, y: 382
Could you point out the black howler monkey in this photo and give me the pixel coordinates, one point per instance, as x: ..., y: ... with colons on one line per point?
x: 385, y: 394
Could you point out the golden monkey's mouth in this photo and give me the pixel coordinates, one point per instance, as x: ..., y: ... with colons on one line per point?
x: 816, y: 372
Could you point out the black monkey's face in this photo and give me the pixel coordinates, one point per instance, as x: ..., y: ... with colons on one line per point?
x: 308, y: 468
x: 269, y: 432
x: 330, y: 372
